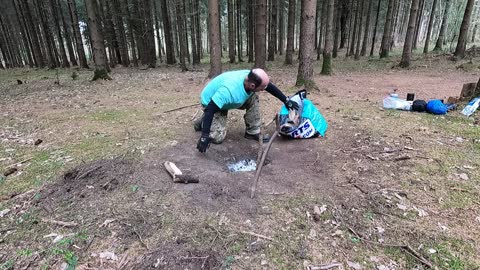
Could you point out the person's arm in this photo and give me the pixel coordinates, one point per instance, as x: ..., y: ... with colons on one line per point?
x: 274, y: 91
x: 209, y: 112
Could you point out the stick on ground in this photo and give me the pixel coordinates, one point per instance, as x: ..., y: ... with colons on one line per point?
x: 183, y: 107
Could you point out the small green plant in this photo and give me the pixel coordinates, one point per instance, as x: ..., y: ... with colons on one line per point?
x: 7, y: 265
x: 68, y: 256
x: 228, y: 262
x: 26, y: 252
x: 2, y: 179
x: 134, y: 188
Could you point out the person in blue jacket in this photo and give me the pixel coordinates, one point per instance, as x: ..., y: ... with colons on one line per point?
x: 234, y: 90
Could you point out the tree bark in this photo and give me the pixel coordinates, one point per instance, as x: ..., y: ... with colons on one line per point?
x: 359, y: 23
x: 68, y: 35
x: 272, y: 41
x: 99, y: 57
x: 131, y: 32
x: 239, y: 31
x: 375, y: 28
x: 462, y: 37
x: 34, y: 38
x: 198, y: 30
x: 343, y: 24
x: 49, y: 39
x: 61, y: 42
x: 327, y: 51
x: 260, y: 33
x: 367, y: 28
x: 323, y: 22
x: 181, y: 34
x: 192, y: 11
x: 251, y: 30
x: 307, y: 35
x: 281, y: 28
x: 418, y: 24
x: 231, y: 31
x: 430, y: 26
x: 120, y: 32
x: 407, y: 47
x: 336, y: 31
x: 354, y: 26
x: 24, y: 33
x: 385, y: 47
x: 214, y: 33
x: 167, y: 29
x: 290, y: 32
x: 443, y: 28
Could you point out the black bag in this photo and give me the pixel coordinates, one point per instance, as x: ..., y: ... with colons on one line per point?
x: 419, y: 105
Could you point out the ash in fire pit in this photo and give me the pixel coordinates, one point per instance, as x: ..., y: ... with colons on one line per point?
x: 244, y: 165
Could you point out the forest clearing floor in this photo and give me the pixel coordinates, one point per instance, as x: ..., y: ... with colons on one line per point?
x: 94, y: 193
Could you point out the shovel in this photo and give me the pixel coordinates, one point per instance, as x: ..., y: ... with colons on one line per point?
x: 177, y: 175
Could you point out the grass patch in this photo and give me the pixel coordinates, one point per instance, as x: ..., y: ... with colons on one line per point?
x: 452, y: 254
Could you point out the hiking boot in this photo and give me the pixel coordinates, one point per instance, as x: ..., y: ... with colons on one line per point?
x: 255, y: 137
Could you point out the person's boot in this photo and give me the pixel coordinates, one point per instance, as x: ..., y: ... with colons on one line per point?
x: 255, y: 137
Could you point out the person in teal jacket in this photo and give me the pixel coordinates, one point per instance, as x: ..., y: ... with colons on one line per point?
x: 234, y: 90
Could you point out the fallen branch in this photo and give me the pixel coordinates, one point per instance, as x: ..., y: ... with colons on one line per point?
x: 61, y: 223
x: 183, y: 107
x: 324, y: 266
x: 18, y: 163
x: 407, y: 248
x: 402, y: 158
x: 359, y: 188
x: 257, y: 235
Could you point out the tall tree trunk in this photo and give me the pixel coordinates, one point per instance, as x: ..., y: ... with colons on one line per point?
x: 182, y: 35
x: 61, y: 42
x: 367, y: 28
x: 7, y: 56
x: 407, y: 47
x: 418, y: 24
x: 307, y: 35
x: 385, y: 47
x: 443, y: 28
x: 323, y: 22
x: 198, y: 30
x: 343, y: 24
x: 109, y: 34
x: 24, y: 33
x: 462, y: 37
x: 239, y: 31
x: 150, y: 32
x: 260, y: 33
x: 395, y: 22
x: 49, y: 39
x: 327, y: 51
x: 359, y: 23
x: 474, y: 32
x: 251, y: 30
x: 167, y: 29
x: 281, y: 27
x: 231, y: 31
x: 131, y: 32
x: 354, y: 24
x: 336, y: 31
x: 214, y: 33
x: 430, y: 26
x: 195, y: 57
x: 375, y: 28
x: 34, y: 38
x: 272, y: 41
x: 68, y: 36
x: 290, y: 32
x: 99, y: 57
x: 120, y: 32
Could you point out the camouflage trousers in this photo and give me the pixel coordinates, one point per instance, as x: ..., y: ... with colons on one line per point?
x: 218, y: 130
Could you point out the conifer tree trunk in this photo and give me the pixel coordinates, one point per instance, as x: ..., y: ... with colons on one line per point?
x: 24, y: 33
x: 131, y: 32
x: 307, y: 35
x: 272, y: 41
x: 407, y: 47
x: 462, y: 37
x: 354, y: 27
x: 33, y: 33
x: 68, y: 35
x: 214, y: 33
x: 251, y: 30
x: 443, y: 27
x: 359, y: 23
x: 290, y: 32
x: 61, y: 42
x: 367, y: 28
x: 343, y: 24
x: 120, y: 32
x: 323, y: 22
x: 100, y: 59
x: 430, y: 26
x: 167, y: 29
x: 418, y: 24
x: 239, y: 31
x: 181, y: 33
x: 327, y: 51
x: 375, y: 28
x: 336, y: 28
x: 231, y: 31
x: 281, y: 27
x: 260, y: 33
x: 385, y: 47
x: 49, y: 39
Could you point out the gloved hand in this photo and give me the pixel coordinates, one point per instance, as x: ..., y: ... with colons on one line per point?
x: 291, y: 105
x: 203, y: 144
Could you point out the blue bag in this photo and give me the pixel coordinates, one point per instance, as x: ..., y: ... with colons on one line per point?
x: 436, y: 106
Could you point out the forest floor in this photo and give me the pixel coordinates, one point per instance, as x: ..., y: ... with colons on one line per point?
x: 382, y: 190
